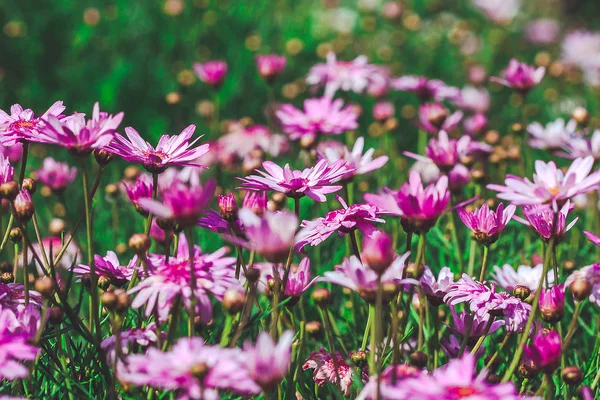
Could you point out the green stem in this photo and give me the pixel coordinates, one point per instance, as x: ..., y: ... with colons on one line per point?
x: 498, y: 351
x: 472, y: 250
x: 354, y: 241
x: 488, y: 326
x: 173, y: 322
x: 571, y: 329
x: 25, y: 273
x: 486, y: 250
x: 154, y: 195
x: 226, y: 330
x: 23, y: 162
x: 378, y: 331
x: 329, y: 335
x: 465, y: 340
x: 189, y: 233
x: 363, y: 345
x: 457, y: 251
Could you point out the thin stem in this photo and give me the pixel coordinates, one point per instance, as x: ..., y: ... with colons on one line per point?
x: 472, y: 250
x: 154, y: 195
x: 572, y: 326
x: 488, y: 326
x: 23, y: 162
x: 25, y: 274
x: 189, y: 233
x: 275, y: 306
x: 363, y: 345
x: 226, y: 330
x: 378, y: 330
x: 484, y: 260
x: 498, y: 351
x: 409, y: 236
x: 465, y: 340
x: 173, y: 322
x: 245, y: 315
x: 534, y: 306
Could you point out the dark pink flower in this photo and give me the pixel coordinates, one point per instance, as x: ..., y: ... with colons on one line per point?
x: 78, y: 135
x: 418, y: 207
x: 22, y: 124
x: 378, y: 251
x: 486, y: 224
x: 15, y: 347
x: 176, y: 150
x: 391, y: 385
x: 426, y: 89
x: 110, y: 268
x: 139, y: 189
x: 313, y: 182
x: 142, y: 337
x: 547, y: 222
x: 6, y: 170
x: 476, y: 124
x: 592, y: 238
x: 211, y: 72
x: 458, y: 177
x: 520, y: 76
x: 320, y: 116
x: 56, y: 175
x: 552, y: 304
x: 343, y: 221
x: 12, y: 152
x: 545, y: 351
x: 270, y: 66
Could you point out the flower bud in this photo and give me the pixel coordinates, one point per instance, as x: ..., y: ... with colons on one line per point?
x: 139, y: 243
x: 378, y: 251
x: 55, y: 315
x: 112, y: 190
x: 29, y: 184
x: 44, y: 286
x: 104, y: 282
x: 234, y: 300
x: 528, y: 368
x: 9, y: 190
x: 414, y: 270
x: 165, y: 224
x: 109, y: 300
x: 458, y: 177
x: 15, y: 235
x: 585, y: 393
x: 103, y: 157
x: 57, y: 226
x: 581, y: 116
x: 435, y: 113
x: 228, y: 206
x: 252, y: 275
x: 313, y: 328
x: 419, y: 359
x: 495, y: 364
x: 7, y: 277
x: 123, y: 301
x: 321, y: 297
x: 359, y: 358
x: 255, y: 201
x: 552, y: 304
x: 131, y: 173
x: 199, y: 370
x: 493, y: 379
x: 23, y: 205
x: 569, y: 265
x: 581, y: 289
x: 521, y: 292
x: 307, y: 142
x: 572, y: 375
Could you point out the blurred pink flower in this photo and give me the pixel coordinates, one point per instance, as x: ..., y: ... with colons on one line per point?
x: 324, y: 367
x: 211, y: 72
x: 475, y: 124
x: 22, y: 124
x: 268, y: 362
x: 12, y: 152
x: 472, y: 98
x: 270, y: 65
x: 553, y: 136
x: 56, y: 175
x: 499, y: 11
x: 520, y: 76
x: 434, y: 117
x: 542, y: 31
x: 320, y: 116
x: 139, y: 189
x: 592, y: 238
x: 426, y: 89
x: 545, y: 351
x: 7, y: 172
x: 15, y: 347
x: 383, y: 110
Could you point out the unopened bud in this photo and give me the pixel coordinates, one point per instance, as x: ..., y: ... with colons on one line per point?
x: 359, y: 358
x: 414, y: 270
x: 419, y: 359
x: 5, y: 266
x: 378, y: 251
x: 569, y: 265
x: 252, y: 275
x: 112, y: 190
x: 104, y: 282
x: 580, y: 115
x: 7, y: 277
x: 15, y: 235
x: 109, y: 300
x: 103, y: 157
x: 528, y: 368
x: 55, y: 315
x: 313, y: 328
x: 493, y: 379
x: 517, y: 127
x: 131, y: 173
x: 9, y: 190
x: 23, y: 205
x: 581, y: 289
x: 321, y: 297
x: 44, y: 286
x: 123, y: 301
x: 139, y: 243
x: 227, y: 206
x: 521, y: 292
x: 572, y: 375
x: 308, y: 141
x: 29, y: 184
x: 233, y: 301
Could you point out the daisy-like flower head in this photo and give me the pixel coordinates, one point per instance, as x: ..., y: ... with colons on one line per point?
x: 434, y: 117
x: 359, y: 163
x: 576, y: 49
x: 313, y: 182
x: 550, y: 184
x: 545, y: 351
x: 78, y: 135
x: 342, y: 221
x: 391, y: 383
x: 507, y: 277
x: 543, y: 31
x: 435, y: 288
x: 169, y: 280
x: 426, y: 89
x: 473, y: 99
x: 356, y: 276
x: 547, y: 222
x: 139, y: 189
x: 486, y: 224
x: 53, y: 245
x: 270, y: 66
x: 181, y: 204
x: 241, y: 142
x: 324, y: 365
x: 383, y: 110
x: 592, y: 238
x: 15, y: 347
x: 499, y: 11
x: 56, y: 175
x: 520, y: 76
x: 320, y: 116
x: 475, y: 124
x: 176, y: 150
x: 580, y: 146
x: 192, y: 368
x: 22, y: 124
x: 452, y: 345
x: 211, y: 72
x: 461, y: 322
x: 109, y: 268
x: 552, y: 304
x: 555, y: 135
x: 591, y: 275
x: 142, y: 337
x: 418, y: 207
x: 268, y: 362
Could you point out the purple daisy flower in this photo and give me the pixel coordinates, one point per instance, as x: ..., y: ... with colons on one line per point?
x: 546, y: 222
x: 426, y: 89
x: 268, y: 362
x: 22, y: 124
x: 520, y: 76
x: 434, y: 117
x: 485, y: 224
x: 211, y: 72
x: 110, y: 268
x: 15, y: 347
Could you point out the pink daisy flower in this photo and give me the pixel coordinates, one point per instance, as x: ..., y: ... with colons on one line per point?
x: 22, y: 124
x: 270, y: 66
x: 507, y: 277
x: 546, y: 222
x: 267, y: 361
x: 139, y: 189
x: 359, y: 163
x: 56, y: 175
x: 434, y: 117
x: 426, y: 89
x: 436, y: 288
x: 486, y: 224
x: 211, y: 72
x: 176, y: 150
x: 15, y: 347
x: 109, y: 268
x: 520, y: 76
x: 555, y: 135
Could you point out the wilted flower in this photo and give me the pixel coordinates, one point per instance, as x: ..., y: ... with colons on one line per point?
x: 321, y: 116
x: 486, y: 224
x: 553, y: 136
x: 507, y: 277
x: 418, y: 207
x: 268, y: 362
x: 434, y: 117
x: 56, y: 175
x: 22, y: 124
x: 520, y: 76
x: 343, y: 221
x: 170, y: 151
x: 313, y: 182
x: 211, y: 72
x: 356, y: 162
x: 545, y: 351
x: 426, y: 89
x: 270, y: 65
x: 549, y: 183
x: 324, y: 367
x: 77, y: 134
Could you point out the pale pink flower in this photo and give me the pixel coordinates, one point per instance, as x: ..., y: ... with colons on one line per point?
x: 499, y: 11
x: 507, y: 277
x: 324, y: 366
x: 56, y: 175
x: 426, y: 89
x: 553, y: 136
x: 268, y: 362
x: 357, y: 162
x: 520, y: 76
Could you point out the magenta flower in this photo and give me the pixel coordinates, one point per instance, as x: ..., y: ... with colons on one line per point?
x: 552, y: 304
x: 22, y: 124
x: 192, y: 368
x: 313, y: 182
x: 78, y: 135
x: 241, y: 142
x: 549, y: 183
x: 6, y: 170
x: 321, y: 116
x: 170, y: 280
x: 141, y: 188
x: 452, y: 345
x: 56, y: 175
x: 520, y: 76
x: 546, y: 222
x: 324, y: 366
x: 298, y: 279
x: 110, y: 269
x: 170, y: 151
x: 270, y: 235
x: 13, y: 152
x: 458, y: 177
x: 343, y: 221
x: 545, y: 351
x: 255, y: 202
x: 436, y: 289
x: 434, y: 117
x: 226, y: 220
x: 356, y: 162
x: 426, y: 89
x: 268, y: 362
x: 418, y: 207
x: 12, y: 296
x: 270, y: 66
x: 592, y: 238
x: 15, y: 347
x: 378, y: 251
x: 358, y: 277
x: 581, y: 146
x: 181, y: 204
x: 485, y: 224
x: 211, y: 72
x: 524, y: 275
x: 476, y: 124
